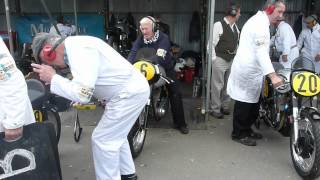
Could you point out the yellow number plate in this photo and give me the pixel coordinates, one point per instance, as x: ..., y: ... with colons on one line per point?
x: 306, y: 83
x: 146, y: 68
x: 38, y: 115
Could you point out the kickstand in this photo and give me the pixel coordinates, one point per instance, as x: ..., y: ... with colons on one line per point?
x: 77, y: 130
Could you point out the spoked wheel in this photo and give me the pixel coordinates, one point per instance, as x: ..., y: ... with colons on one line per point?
x: 137, y: 134
x: 113, y: 43
x: 161, y: 103
x: 305, y: 153
x: 54, y: 118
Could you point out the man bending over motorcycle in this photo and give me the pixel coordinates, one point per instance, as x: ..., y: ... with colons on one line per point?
x: 153, y: 38
x: 97, y: 70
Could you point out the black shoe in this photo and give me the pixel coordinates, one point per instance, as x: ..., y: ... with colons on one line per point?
x: 245, y: 141
x: 183, y: 129
x: 217, y: 115
x: 225, y: 111
x: 255, y: 135
x: 129, y: 177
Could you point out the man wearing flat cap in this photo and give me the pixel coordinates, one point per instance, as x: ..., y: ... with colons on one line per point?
x: 97, y: 70
x: 309, y: 40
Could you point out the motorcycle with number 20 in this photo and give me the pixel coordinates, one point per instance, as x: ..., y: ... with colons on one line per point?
x: 292, y: 109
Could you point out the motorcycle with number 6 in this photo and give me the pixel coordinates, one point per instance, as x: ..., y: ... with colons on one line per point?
x: 292, y: 109
x: 158, y: 103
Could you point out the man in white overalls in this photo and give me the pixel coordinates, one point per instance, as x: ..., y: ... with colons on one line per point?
x: 97, y: 70
x: 15, y: 106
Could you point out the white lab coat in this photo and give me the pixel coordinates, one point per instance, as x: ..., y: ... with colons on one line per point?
x: 15, y: 106
x: 98, y: 70
x: 285, y: 42
x: 311, y: 44
x: 252, y: 60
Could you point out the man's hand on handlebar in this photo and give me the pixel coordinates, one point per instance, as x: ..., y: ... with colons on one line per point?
x: 275, y: 79
x: 45, y: 72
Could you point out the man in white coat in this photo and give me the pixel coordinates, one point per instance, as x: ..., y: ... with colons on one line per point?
x: 285, y: 42
x: 15, y: 106
x: 309, y: 41
x: 97, y: 70
x: 250, y: 64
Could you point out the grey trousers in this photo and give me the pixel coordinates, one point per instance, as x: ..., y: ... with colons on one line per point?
x: 220, y: 74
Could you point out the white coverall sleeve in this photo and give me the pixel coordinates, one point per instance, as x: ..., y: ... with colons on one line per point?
x: 84, y: 64
x: 262, y: 44
x: 14, y: 98
x: 300, y: 40
x: 217, y: 32
x: 286, y: 39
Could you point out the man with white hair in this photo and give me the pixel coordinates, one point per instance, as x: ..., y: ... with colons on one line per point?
x: 159, y: 41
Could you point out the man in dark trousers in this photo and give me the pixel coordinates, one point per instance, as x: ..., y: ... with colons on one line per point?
x: 153, y: 38
x: 249, y: 66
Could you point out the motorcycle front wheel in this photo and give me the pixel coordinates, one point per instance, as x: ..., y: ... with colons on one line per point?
x: 137, y: 134
x: 305, y: 153
x: 53, y: 117
x: 113, y: 43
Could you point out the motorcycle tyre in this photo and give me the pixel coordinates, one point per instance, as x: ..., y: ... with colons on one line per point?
x: 136, y: 130
x: 315, y: 170
x: 54, y: 118
x: 113, y: 43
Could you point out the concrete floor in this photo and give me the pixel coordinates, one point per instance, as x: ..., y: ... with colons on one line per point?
x: 201, y: 155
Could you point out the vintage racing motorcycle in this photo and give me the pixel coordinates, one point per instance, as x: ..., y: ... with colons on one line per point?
x: 292, y: 109
x: 118, y: 37
x: 158, y: 103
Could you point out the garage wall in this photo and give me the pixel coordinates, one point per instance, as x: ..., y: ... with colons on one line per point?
x: 34, y: 7
x: 163, y: 6
x: 176, y: 13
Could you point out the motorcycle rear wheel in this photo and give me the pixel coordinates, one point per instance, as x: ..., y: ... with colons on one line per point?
x: 137, y: 134
x: 305, y: 153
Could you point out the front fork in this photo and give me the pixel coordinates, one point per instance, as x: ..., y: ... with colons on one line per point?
x: 296, y: 113
x: 296, y: 117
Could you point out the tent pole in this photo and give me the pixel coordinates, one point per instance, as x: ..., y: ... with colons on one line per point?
x: 9, y: 26
x: 209, y: 56
x: 75, y: 15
